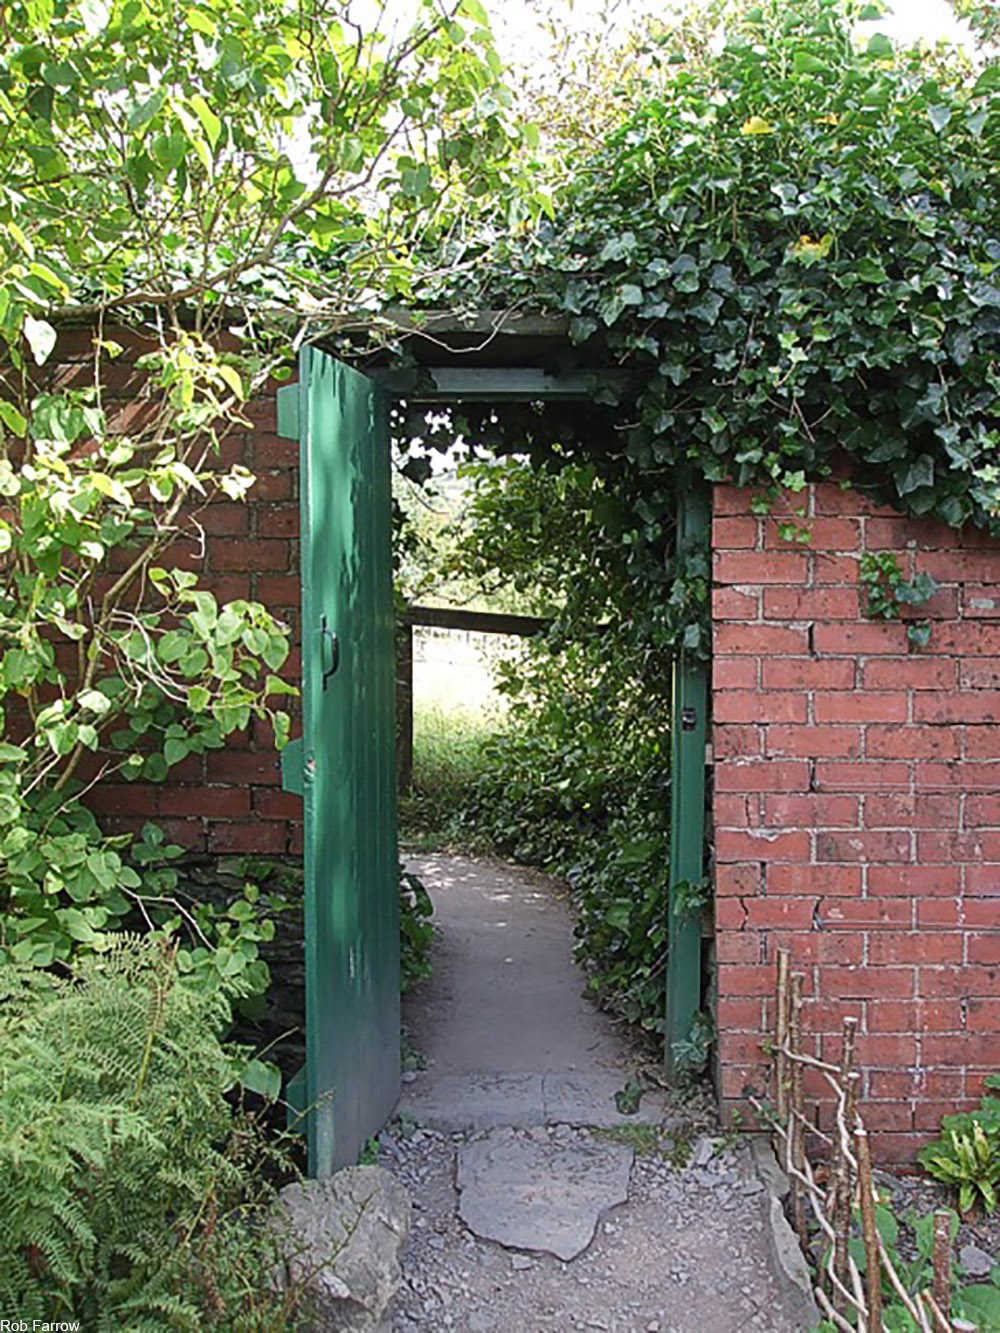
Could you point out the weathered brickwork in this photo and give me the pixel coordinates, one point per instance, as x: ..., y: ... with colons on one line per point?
x: 228, y: 801
x: 857, y: 803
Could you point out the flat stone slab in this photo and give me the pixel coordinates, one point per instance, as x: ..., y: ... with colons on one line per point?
x: 530, y: 1194
x: 455, y: 1102
x: 474, y: 1101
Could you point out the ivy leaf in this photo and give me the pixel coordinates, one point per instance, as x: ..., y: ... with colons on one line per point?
x: 939, y: 116
x: 919, y: 473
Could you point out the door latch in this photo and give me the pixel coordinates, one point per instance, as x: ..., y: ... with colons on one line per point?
x: 327, y: 636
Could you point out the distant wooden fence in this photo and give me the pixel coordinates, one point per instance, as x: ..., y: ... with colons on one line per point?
x: 434, y: 617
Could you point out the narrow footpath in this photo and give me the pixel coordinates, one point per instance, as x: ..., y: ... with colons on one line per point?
x: 543, y: 1199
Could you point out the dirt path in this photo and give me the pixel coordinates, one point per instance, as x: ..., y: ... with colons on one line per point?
x: 521, y: 1154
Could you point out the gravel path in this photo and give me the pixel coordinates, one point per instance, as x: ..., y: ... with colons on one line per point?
x: 685, y: 1252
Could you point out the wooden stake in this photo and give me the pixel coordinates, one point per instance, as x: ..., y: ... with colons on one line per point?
x: 781, y: 1035
x: 797, y: 1141
x: 869, y: 1232
x: 942, y: 1260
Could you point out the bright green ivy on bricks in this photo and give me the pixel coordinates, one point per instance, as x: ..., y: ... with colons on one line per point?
x: 794, y: 244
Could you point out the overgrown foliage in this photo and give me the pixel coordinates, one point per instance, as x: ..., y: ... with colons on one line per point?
x: 207, y: 180
x: 792, y: 246
x: 132, y: 1193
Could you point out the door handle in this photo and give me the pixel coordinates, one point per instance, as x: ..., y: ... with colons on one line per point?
x: 327, y: 636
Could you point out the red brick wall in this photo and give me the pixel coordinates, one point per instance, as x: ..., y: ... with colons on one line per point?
x: 857, y: 804
x: 229, y: 800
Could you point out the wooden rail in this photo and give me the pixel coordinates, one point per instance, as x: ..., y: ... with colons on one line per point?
x: 441, y: 617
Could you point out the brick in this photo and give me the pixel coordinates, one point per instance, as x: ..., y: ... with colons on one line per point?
x: 878, y: 775
x: 896, y: 533
x: 277, y: 484
x: 760, y: 845
x: 812, y: 810
x: 738, y: 879
x: 965, y: 775
x: 911, y: 742
x: 813, y: 742
x: 825, y: 534
x: 242, y: 766
x: 982, y: 948
x: 954, y: 848
x: 778, y: 913
x: 735, y: 980
x: 740, y: 1013
x: 735, y: 500
x: 982, y: 742
x: 972, y: 638
x: 831, y: 499
x: 736, y: 742
x: 938, y: 913
x: 818, y: 880
x: 983, y: 674
x: 231, y: 553
x: 781, y: 673
x: 962, y: 566
x: 736, y: 810
x: 259, y: 837
x: 757, y: 567
x: 982, y: 811
x: 976, y: 913
x: 279, y: 590
x: 914, y: 881
x: 224, y: 518
x: 982, y: 881
x: 758, y: 706
x: 911, y: 810
x: 820, y: 1015
x: 925, y: 947
x: 730, y: 914
x: 735, y: 673
x: 762, y: 775
x: 982, y: 1014
x: 862, y: 639
x: 888, y: 1049
x: 210, y: 802
x: 869, y: 982
x: 859, y: 706
x: 124, y: 798
x: 760, y: 640
x: 969, y: 1048
x: 810, y: 603
x: 866, y: 913
x: 278, y: 520
x: 834, y: 569
x: 913, y: 673
x: 886, y: 846
x: 737, y: 533
x: 820, y: 948
x: 959, y: 982
x: 927, y: 1115
x: 980, y: 601
x: 271, y: 804
x: 737, y: 947
x: 914, y: 1016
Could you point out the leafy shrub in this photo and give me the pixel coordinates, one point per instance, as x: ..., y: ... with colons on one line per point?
x: 967, y: 1155
x: 130, y: 1189
x: 416, y: 931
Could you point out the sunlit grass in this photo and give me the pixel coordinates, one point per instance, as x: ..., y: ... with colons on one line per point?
x: 449, y: 756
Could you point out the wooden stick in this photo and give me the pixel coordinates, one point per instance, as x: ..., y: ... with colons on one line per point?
x: 797, y: 1145
x: 942, y: 1260
x: 869, y: 1232
x: 781, y: 1034
x: 942, y: 1323
x: 839, y: 1203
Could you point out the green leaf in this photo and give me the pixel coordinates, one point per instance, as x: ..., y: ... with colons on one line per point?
x: 262, y: 1078
x: 210, y: 122
x: 12, y: 418
x: 939, y: 116
x: 41, y: 338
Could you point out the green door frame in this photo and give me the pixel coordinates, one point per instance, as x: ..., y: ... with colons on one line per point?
x: 453, y: 385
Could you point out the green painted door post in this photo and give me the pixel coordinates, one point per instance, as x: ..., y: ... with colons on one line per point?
x: 687, y: 796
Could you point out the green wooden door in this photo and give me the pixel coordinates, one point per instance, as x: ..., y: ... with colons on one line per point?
x: 348, y: 758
